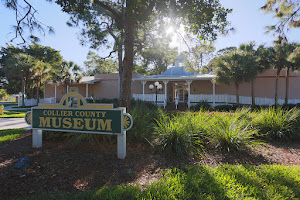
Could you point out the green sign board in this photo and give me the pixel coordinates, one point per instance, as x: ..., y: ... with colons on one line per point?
x: 75, y: 120
x: 74, y: 114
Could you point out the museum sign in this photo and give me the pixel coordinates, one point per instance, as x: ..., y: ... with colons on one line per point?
x: 74, y: 114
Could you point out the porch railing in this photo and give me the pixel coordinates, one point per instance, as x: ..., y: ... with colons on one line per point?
x: 230, y: 99
x: 150, y: 97
x: 219, y: 99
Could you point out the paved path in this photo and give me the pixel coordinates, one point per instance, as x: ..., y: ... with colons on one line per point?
x: 12, y: 123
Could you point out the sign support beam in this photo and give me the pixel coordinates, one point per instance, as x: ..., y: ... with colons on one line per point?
x: 37, y: 138
x: 121, y: 142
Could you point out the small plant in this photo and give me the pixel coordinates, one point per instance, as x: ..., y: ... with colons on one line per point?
x: 92, y: 139
x: 278, y: 123
x: 114, y: 101
x: 182, y: 134
x: 149, y: 105
x: 223, y: 108
x: 231, y: 131
x: 56, y: 135
x: 202, y: 105
x: 143, y: 119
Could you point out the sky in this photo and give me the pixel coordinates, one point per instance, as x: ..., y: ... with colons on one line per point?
x: 247, y: 19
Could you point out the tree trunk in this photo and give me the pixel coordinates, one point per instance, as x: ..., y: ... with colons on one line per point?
x: 128, y: 57
x: 237, y: 92
x: 38, y: 93
x: 287, y: 86
x: 276, y: 86
x: 23, y: 91
x: 120, y: 60
x: 252, y: 92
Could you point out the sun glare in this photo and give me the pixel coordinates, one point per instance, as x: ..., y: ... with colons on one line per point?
x: 170, y: 30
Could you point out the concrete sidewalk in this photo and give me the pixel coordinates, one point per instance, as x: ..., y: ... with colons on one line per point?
x: 12, y: 123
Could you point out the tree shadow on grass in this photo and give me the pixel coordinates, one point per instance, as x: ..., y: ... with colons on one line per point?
x: 264, y: 182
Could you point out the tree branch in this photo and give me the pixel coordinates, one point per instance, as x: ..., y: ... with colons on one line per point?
x: 110, y: 54
x: 111, y: 10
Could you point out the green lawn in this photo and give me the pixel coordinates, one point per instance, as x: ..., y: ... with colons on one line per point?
x: 14, y: 113
x: 8, y: 104
x: 203, y: 182
x: 9, y: 135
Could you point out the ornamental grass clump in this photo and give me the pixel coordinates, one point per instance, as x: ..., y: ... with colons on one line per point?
x: 231, y: 131
x: 183, y: 134
x: 144, y: 118
x: 278, y: 123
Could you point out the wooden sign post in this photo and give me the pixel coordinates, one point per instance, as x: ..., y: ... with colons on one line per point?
x: 74, y: 114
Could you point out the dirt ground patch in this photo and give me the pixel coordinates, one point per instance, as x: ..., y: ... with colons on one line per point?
x: 58, y: 168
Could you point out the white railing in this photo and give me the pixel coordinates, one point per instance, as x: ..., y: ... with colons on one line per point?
x: 229, y: 99
x: 150, y: 97
x: 33, y: 102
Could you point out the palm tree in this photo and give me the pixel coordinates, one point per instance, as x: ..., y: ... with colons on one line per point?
x: 258, y: 61
x: 293, y: 64
x: 40, y: 73
x: 62, y: 73
x: 231, y: 67
x: 279, y: 55
x: 19, y: 67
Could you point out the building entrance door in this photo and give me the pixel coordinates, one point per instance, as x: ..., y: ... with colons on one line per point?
x: 179, y: 93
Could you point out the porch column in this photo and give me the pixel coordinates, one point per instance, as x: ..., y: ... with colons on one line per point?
x: 214, y: 93
x: 55, y: 92
x: 165, y: 103
x: 189, y: 94
x: 86, y: 90
x: 67, y: 88
x: 143, y: 82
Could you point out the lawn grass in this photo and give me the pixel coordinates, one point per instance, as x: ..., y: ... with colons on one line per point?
x: 14, y: 113
x: 204, y: 182
x: 9, y: 135
x: 8, y: 104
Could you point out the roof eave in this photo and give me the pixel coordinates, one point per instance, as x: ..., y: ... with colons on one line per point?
x: 174, y: 78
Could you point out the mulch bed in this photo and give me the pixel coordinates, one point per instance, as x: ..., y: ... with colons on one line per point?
x: 60, y: 168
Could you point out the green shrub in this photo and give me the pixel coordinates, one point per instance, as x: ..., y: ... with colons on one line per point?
x: 183, y: 134
x: 201, y: 105
x: 92, y: 139
x: 3, y: 94
x: 231, y: 130
x: 144, y: 103
x: 56, y: 135
x: 143, y: 122
x: 114, y: 101
x: 278, y: 123
x: 224, y: 108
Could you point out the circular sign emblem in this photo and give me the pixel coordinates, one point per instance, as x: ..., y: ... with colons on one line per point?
x: 28, y: 117
x: 127, y: 121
